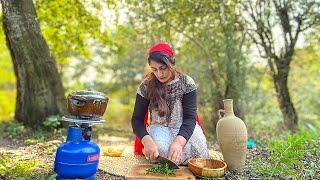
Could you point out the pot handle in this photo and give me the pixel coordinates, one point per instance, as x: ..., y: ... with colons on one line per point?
x: 96, y: 106
x: 79, y: 98
x: 78, y: 101
x: 219, y: 113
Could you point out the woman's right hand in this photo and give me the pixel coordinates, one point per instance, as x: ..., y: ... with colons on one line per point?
x: 150, y: 149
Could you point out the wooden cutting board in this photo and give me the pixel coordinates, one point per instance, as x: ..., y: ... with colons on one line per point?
x: 138, y: 171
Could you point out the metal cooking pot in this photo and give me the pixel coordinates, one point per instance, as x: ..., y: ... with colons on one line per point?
x: 87, y: 104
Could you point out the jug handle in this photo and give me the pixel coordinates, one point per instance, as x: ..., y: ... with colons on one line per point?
x: 219, y: 113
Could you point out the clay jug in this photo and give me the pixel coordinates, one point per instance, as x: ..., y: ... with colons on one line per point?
x: 232, y: 137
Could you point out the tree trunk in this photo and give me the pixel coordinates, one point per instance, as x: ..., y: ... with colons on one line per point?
x: 39, y: 88
x: 286, y: 106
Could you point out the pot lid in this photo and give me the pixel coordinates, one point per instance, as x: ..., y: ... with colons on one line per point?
x: 89, y: 94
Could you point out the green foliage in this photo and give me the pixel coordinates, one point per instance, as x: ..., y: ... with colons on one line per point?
x: 21, y: 168
x: 52, y: 122
x: 68, y: 27
x: 12, y: 130
x: 119, y: 114
x: 285, y: 155
x: 7, y: 79
x: 39, y: 137
x: 304, y: 85
x: 16, y: 168
x: 47, y: 176
x: 294, y: 156
x: 50, y: 147
x: 124, y: 63
x: 17, y: 131
x: 47, y: 140
x: 7, y: 103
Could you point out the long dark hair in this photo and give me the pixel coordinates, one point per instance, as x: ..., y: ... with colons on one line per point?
x: 156, y: 91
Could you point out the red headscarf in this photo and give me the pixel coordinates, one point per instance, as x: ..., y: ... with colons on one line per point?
x: 162, y: 47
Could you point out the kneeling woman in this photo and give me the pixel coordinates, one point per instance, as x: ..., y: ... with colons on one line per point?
x: 170, y: 98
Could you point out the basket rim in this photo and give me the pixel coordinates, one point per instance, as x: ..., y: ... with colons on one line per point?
x: 217, y: 169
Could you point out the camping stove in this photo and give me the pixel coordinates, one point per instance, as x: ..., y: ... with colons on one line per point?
x: 78, y: 157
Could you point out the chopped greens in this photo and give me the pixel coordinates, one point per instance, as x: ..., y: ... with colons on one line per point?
x: 162, y: 169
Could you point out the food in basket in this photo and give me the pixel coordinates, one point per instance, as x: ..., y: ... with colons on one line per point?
x: 114, y: 151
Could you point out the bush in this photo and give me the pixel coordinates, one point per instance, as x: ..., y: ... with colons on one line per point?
x: 294, y: 156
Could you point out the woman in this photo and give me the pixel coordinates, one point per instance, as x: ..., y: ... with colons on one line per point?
x: 170, y: 98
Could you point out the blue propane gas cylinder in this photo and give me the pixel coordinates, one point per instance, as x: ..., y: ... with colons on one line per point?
x: 77, y: 158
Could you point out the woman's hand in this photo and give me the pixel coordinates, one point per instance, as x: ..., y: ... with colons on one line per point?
x: 175, y: 150
x: 150, y: 149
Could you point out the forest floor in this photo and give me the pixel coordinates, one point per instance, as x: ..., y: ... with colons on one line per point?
x: 27, y: 154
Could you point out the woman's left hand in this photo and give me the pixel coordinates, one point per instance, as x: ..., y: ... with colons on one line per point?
x: 175, y: 150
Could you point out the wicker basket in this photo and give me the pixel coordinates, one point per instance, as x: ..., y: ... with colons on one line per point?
x: 207, y: 167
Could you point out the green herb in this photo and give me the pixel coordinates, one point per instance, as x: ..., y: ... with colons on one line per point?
x: 162, y: 169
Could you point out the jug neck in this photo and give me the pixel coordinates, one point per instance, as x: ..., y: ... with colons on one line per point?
x: 228, y: 107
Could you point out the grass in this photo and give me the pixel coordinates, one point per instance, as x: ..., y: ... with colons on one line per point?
x: 20, y: 167
x: 293, y: 156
